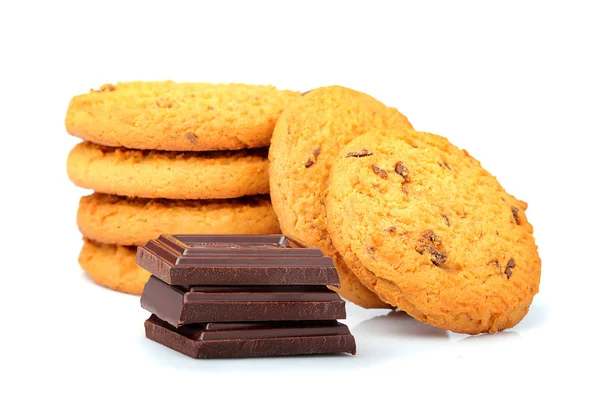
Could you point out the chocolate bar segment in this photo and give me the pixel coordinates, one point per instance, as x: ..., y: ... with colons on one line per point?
x: 235, y: 340
x: 236, y: 260
x: 179, y: 305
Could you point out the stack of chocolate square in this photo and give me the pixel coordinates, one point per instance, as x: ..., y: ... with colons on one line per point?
x: 222, y: 296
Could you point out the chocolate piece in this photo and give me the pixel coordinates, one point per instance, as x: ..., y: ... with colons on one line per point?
x: 311, y: 160
x: 235, y: 340
x: 438, y: 258
x: 235, y: 260
x: 359, y: 154
x: 515, y: 213
x: 179, y: 305
x: 509, y: 266
x: 429, y: 242
x: 446, y: 219
x: 378, y: 171
x: 401, y: 170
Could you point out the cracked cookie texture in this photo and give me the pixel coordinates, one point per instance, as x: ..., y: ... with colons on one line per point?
x: 133, y: 221
x: 167, y: 174
x: 306, y: 141
x: 177, y: 116
x: 428, y: 229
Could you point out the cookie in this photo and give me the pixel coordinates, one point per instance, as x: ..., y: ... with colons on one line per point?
x: 307, y: 139
x: 424, y: 225
x: 134, y: 221
x: 177, y: 116
x: 164, y: 174
x: 113, y: 266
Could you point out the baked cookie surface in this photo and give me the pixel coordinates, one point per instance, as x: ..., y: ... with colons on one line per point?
x: 113, y: 266
x: 431, y: 231
x: 177, y: 116
x: 134, y: 221
x: 174, y: 175
x: 307, y: 139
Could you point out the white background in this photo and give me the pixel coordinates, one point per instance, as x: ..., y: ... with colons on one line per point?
x: 517, y: 84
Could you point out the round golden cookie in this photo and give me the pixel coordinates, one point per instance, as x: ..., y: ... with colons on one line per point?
x: 177, y: 116
x: 174, y: 175
x: 307, y: 139
x: 431, y: 231
x: 134, y: 221
x: 113, y: 266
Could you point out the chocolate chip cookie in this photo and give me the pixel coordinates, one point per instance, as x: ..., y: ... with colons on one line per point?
x: 133, y: 221
x: 427, y: 228
x: 307, y: 139
x: 178, y: 116
x: 169, y: 174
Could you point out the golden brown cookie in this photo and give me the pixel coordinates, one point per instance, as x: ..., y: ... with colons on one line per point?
x: 134, y: 221
x: 113, y: 266
x: 164, y: 174
x: 177, y: 116
x: 431, y: 231
x: 307, y: 139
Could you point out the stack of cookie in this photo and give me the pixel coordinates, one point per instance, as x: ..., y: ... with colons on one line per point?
x: 410, y: 220
x: 166, y: 157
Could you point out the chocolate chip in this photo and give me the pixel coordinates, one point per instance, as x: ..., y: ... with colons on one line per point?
x: 371, y: 251
x: 431, y: 237
x: 192, y: 138
x: 401, y: 170
x: 438, y: 257
x: 392, y: 229
x: 515, y: 213
x: 431, y: 244
x: 359, y: 154
x: 446, y: 219
x: 311, y: 160
x: 378, y: 171
x: 509, y: 266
